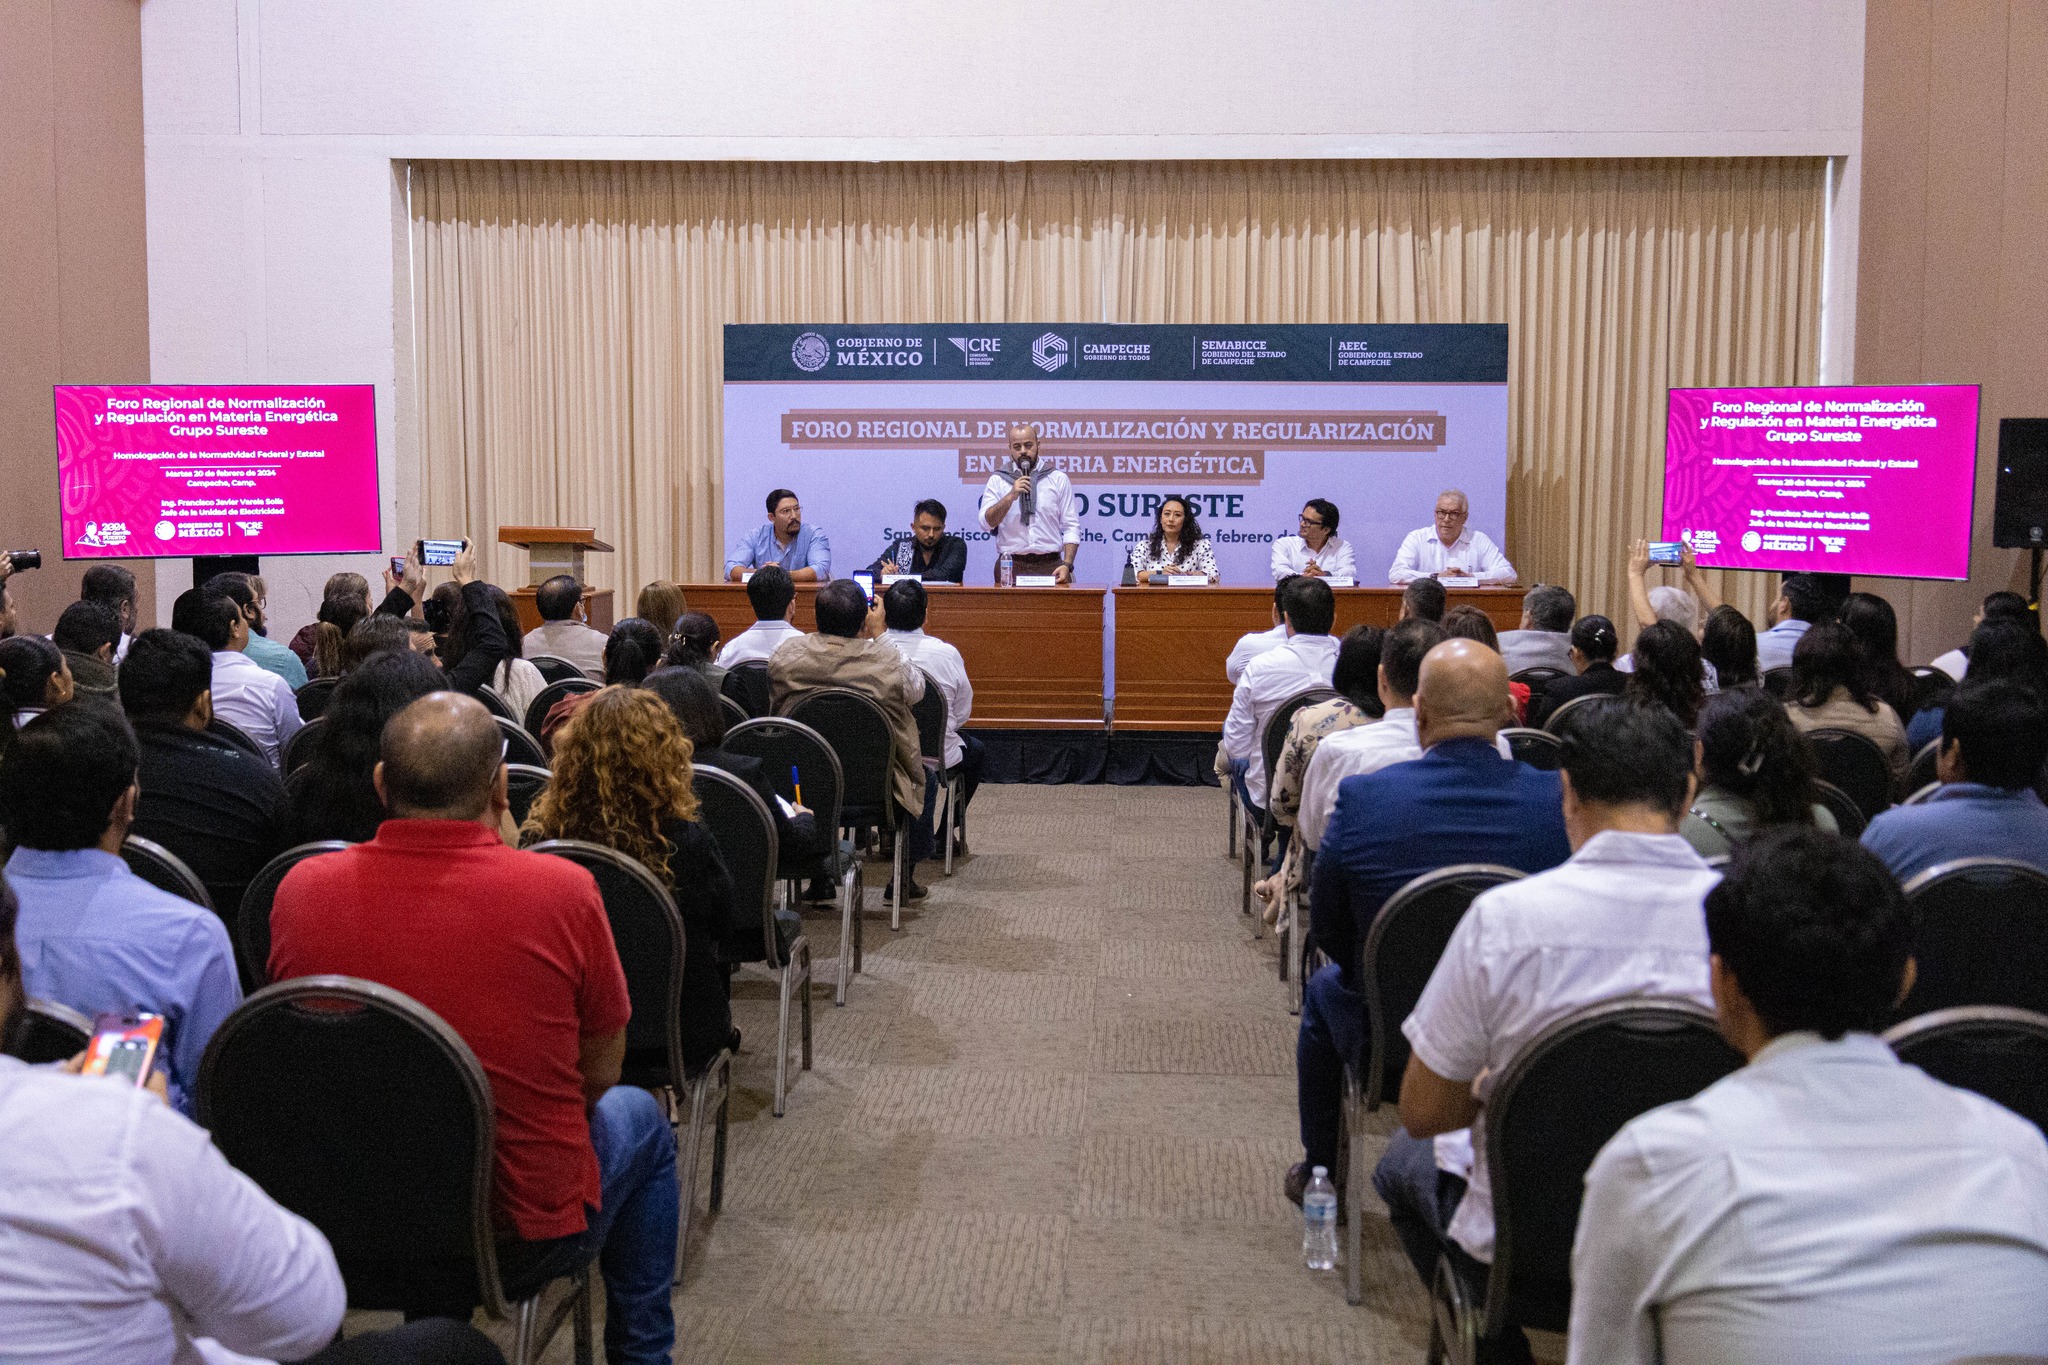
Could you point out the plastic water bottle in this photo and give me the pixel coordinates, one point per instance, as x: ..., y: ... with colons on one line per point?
x: 1009, y: 573
x: 1319, y: 1221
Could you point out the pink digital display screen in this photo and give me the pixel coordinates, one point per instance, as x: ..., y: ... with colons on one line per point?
x: 1864, y: 480
x: 154, y: 470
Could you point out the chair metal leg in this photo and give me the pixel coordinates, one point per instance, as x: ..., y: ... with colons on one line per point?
x: 1354, y: 1189
x: 952, y: 789
x: 582, y: 1324
x: 522, y: 1332
x: 782, y: 1041
x: 804, y: 950
x: 1297, y: 928
x: 687, y: 1147
x: 896, y: 887
x: 858, y: 891
x: 718, y: 1133
x: 1231, y: 821
x: 846, y: 963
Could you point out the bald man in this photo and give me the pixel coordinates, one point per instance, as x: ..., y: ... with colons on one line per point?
x: 514, y: 951
x: 1460, y: 802
x: 1447, y: 548
x: 1034, y: 513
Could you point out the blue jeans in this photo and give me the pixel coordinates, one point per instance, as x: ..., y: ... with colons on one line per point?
x: 633, y: 1234
x: 1421, y: 1201
x: 1332, y: 1033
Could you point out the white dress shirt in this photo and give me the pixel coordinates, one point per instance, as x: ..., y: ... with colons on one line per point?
x: 1621, y: 917
x: 570, y: 641
x: 1304, y: 661
x: 1827, y: 1203
x: 125, y: 1236
x: 1955, y: 663
x: 1361, y: 749
x: 255, y: 701
x: 1249, y: 647
x: 757, y: 641
x: 1292, y: 555
x: 949, y: 671
x: 1774, y: 646
x: 1424, y: 555
x: 1055, y: 516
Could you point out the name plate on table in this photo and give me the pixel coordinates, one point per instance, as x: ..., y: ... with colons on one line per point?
x: 1187, y: 580
x: 1465, y: 582
x: 1037, y: 580
x: 903, y: 578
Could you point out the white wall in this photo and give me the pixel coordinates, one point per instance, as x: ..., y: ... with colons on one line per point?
x: 276, y: 225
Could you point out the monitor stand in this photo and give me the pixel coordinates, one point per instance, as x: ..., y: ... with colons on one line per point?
x: 206, y: 566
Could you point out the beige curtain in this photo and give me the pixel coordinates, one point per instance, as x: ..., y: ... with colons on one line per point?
x: 568, y: 313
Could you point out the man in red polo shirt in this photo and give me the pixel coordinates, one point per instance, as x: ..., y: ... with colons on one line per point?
x: 514, y: 951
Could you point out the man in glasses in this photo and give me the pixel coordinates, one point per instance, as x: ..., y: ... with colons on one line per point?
x: 1316, y: 551
x: 1448, y: 548
x: 784, y: 540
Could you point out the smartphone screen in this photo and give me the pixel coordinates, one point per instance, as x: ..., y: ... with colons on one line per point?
x: 439, y: 553
x: 124, y: 1046
x: 398, y: 566
x: 867, y: 585
x: 1665, y: 551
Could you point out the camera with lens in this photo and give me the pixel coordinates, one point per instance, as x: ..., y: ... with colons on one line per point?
x: 18, y: 560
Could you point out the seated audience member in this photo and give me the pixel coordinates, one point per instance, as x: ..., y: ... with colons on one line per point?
x: 267, y: 653
x: 561, y: 633
x: 784, y: 541
x: 1994, y: 741
x: 1306, y: 660
x: 1593, y: 645
x: 1357, y: 678
x: 1831, y: 691
x: 695, y: 704
x: 1728, y: 645
x: 1620, y: 918
x: 217, y: 806
x: 773, y: 597
x: 1800, y: 603
x: 847, y: 652
x: 1176, y: 545
x: 514, y: 952
x: 333, y: 796
x: 382, y: 634
x: 475, y: 643
x: 35, y: 675
x: 903, y: 613
x: 438, y: 611
x: 1317, y: 550
x: 1827, y: 1202
x: 631, y: 652
x: 94, y: 935
x: 1461, y: 802
x: 1467, y: 622
x: 516, y: 680
x: 621, y: 778
x: 1754, y: 772
x: 1368, y: 748
x: 124, y: 1235
x: 928, y: 552
x: 1875, y: 627
x: 254, y: 700
x: 661, y: 602
x: 1997, y: 606
x: 88, y: 633
x: 1667, y: 671
x: 1424, y: 600
x: 113, y: 587
x: 344, y: 601
x: 694, y: 644
x: 1252, y: 644
x: 1544, y: 639
x: 2003, y: 649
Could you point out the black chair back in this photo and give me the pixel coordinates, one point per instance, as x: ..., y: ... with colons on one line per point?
x: 1537, y: 748
x: 858, y: 730
x: 1999, y: 1052
x: 520, y: 747
x: 314, y: 696
x: 1849, y: 821
x: 1401, y: 949
x: 735, y: 714
x: 557, y: 688
x: 358, y: 1109
x: 787, y: 746
x: 648, y: 931
x: 1856, y: 765
x: 1983, y: 936
x: 747, y: 684
x: 235, y: 735
x: 163, y: 869
x: 1778, y: 682
x: 1535, y: 678
x: 45, y: 1031
x: 1922, y: 772
x: 556, y: 670
x: 1557, y: 720
x: 523, y: 784
x: 1277, y: 724
x: 298, y: 750
x: 252, y: 922
x: 1931, y: 687
x: 745, y: 834
x: 930, y: 713
x: 495, y: 703
x: 1554, y: 1106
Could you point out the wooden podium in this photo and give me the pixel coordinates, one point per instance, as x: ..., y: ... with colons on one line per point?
x: 555, y: 550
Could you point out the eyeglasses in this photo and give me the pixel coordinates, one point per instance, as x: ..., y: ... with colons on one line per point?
x: 1310, y: 521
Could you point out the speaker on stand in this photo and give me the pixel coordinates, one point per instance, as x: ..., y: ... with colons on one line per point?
x: 2019, y: 516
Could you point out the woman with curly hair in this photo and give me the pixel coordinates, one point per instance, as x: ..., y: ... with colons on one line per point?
x: 622, y: 779
x: 1755, y: 771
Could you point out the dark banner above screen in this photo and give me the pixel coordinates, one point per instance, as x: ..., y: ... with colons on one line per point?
x: 1420, y: 353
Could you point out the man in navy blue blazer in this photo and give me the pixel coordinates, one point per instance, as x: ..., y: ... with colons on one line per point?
x: 1461, y: 802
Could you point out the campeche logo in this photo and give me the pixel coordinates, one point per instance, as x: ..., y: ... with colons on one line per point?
x: 811, y: 353
x: 1049, y: 352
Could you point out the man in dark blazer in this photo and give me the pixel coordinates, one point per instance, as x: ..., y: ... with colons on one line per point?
x: 927, y: 551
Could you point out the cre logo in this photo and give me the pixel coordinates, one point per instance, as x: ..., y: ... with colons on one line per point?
x: 1833, y: 544
x: 978, y: 351
x: 1049, y: 352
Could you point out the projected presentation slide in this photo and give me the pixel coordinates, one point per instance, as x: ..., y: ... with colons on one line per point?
x: 217, y: 469
x: 1866, y: 480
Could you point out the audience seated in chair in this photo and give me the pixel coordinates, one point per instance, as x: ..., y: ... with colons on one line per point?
x: 246, y: 695
x: 220, y: 809
x: 2010, y: 606
x: 1544, y: 639
x: 1874, y: 625
x: 93, y: 935
x: 1467, y: 622
x: 112, y: 587
x: 344, y: 600
x: 88, y: 634
x: 512, y: 950
x: 1831, y: 690
x: 562, y: 632
x: 694, y: 644
x: 333, y: 796
x: 621, y: 778
x: 773, y: 598
x: 267, y: 653
x: 1306, y: 660
x: 1592, y: 654
x: 1621, y: 917
x: 1252, y: 644
x: 34, y: 675
x: 1460, y: 802
x: 2003, y: 648
x: 1728, y: 648
x: 1827, y: 1202
x: 631, y: 652
x: 1424, y: 600
x: 1754, y: 772
x: 1667, y: 671
x: 903, y: 612
x: 1368, y: 748
x: 1800, y: 603
x: 124, y: 1235
x: 516, y: 680
x: 1994, y: 741
x: 695, y: 704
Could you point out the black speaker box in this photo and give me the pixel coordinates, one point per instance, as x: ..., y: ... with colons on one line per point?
x: 2019, y: 517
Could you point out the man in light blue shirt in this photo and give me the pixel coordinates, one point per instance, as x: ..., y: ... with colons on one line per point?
x: 782, y: 540
x: 266, y: 653
x: 1994, y: 739
x: 92, y: 934
x: 1800, y: 603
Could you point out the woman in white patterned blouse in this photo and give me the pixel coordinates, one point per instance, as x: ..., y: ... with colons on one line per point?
x: 1176, y: 546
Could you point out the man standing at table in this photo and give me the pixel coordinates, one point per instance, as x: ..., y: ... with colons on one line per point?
x: 1447, y: 549
x: 1035, y: 516
x: 783, y: 540
x: 927, y: 552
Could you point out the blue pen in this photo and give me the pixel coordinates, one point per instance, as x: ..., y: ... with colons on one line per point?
x: 797, y: 783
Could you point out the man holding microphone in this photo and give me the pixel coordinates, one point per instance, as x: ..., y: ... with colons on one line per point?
x: 1036, y: 517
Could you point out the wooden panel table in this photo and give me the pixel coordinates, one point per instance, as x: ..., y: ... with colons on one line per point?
x: 1171, y: 643
x: 1034, y: 654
